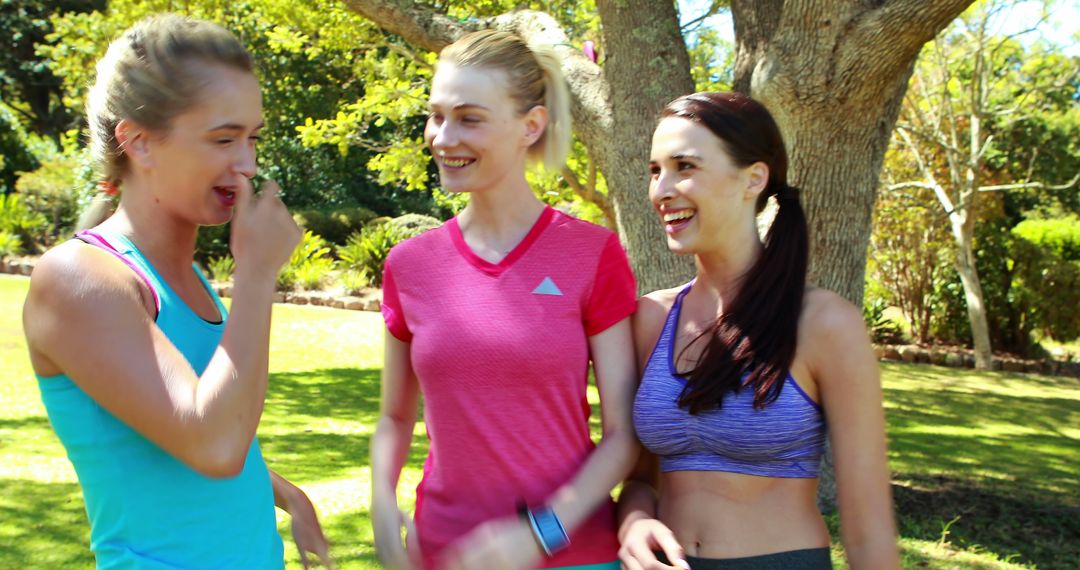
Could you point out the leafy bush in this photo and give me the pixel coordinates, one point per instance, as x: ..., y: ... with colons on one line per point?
x: 335, y: 226
x: 212, y: 242
x: 352, y: 281
x: 310, y: 258
x: 222, y: 268
x: 365, y: 251
x: 10, y: 245
x: 1058, y: 237
x: 883, y: 330
x: 1045, y: 258
x: 16, y: 218
x: 54, y: 190
x: 415, y: 224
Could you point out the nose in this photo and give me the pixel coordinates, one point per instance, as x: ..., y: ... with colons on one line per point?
x: 245, y: 162
x: 441, y: 135
x: 662, y: 187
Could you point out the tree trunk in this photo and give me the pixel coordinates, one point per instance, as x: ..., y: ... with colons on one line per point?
x: 973, y: 295
x: 647, y: 63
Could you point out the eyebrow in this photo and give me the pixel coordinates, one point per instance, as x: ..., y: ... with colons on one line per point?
x: 235, y: 127
x: 460, y: 106
x: 682, y: 155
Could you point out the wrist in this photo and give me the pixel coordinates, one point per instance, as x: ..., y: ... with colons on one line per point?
x: 546, y: 528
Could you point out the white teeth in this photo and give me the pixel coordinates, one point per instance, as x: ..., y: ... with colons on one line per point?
x: 456, y: 163
x: 677, y: 216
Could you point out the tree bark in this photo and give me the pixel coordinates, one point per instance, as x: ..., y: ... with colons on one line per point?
x: 647, y: 64
x: 834, y: 75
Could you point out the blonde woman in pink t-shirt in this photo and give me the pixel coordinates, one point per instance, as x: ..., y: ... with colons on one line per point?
x: 494, y: 317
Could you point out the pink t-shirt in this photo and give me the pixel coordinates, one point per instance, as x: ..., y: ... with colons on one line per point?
x: 501, y: 354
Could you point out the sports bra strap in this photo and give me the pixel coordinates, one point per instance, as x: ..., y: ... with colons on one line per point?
x: 97, y: 240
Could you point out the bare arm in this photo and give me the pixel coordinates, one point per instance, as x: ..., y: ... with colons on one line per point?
x: 842, y: 364
x: 390, y: 449
x: 306, y: 530
x: 85, y: 316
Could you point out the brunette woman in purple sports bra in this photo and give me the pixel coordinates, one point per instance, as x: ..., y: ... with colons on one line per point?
x: 745, y: 369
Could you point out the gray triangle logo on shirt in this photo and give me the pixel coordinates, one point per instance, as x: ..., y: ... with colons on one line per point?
x: 547, y: 287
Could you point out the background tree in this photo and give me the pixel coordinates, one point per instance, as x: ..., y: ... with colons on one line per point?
x: 963, y: 91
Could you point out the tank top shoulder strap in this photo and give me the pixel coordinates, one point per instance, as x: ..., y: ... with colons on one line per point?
x: 97, y: 240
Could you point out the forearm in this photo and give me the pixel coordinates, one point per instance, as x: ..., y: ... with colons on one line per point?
x: 229, y: 396
x: 606, y: 467
x: 389, y: 452
x: 636, y: 501
x: 283, y: 491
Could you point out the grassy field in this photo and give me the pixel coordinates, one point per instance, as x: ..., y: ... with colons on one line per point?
x: 984, y: 465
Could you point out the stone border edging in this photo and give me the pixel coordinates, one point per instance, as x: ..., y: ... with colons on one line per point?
x: 371, y: 300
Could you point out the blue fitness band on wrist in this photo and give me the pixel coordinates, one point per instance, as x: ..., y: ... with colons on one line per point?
x: 549, y: 530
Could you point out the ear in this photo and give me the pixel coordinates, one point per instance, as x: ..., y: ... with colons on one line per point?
x: 757, y: 179
x: 134, y: 141
x: 536, y: 120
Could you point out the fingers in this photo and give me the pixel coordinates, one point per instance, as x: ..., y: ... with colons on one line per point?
x: 672, y: 549
x: 269, y: 189
x: 244, y: 192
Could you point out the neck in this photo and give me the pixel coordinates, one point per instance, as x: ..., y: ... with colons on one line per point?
x: 721, y: 270
x: 167, y: 241
x: 500, y: 218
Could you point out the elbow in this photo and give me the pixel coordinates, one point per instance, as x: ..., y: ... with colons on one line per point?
x: 219, y: 460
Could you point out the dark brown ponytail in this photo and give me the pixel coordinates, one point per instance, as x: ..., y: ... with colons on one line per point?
x: 756, y: 336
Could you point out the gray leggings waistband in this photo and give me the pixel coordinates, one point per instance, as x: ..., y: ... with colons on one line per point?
x: 808, y: 559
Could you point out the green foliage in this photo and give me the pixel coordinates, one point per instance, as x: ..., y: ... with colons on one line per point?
x: 221, y: 268
x: 336, y: 225
x: 414, y: 224
x: 212, y: 242
x: 1057, y: 237
x: 16, y: 218
x: 60, y: 187
x: 353, y: 282
x: 10, y: 245
x: 712, y: 60
x: 909, y: 258
x: 309, y: 264
x: 882, y: 329
x: 364, y: 253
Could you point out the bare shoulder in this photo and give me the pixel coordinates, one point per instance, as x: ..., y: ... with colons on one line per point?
x: 827, y: 315
x: 648, y: 321
x: 73, y: 278
x: 833, y: 338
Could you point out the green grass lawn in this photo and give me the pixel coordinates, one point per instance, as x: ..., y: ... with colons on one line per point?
x: 984, y: 465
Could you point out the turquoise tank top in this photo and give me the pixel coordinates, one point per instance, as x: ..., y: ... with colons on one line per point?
x: 148, y: 510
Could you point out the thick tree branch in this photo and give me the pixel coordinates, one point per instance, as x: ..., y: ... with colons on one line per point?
x: 425, y: 27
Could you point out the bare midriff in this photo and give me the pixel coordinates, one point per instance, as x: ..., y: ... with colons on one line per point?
x: 730, y: 515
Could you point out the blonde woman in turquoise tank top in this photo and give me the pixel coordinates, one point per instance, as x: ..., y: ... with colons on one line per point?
x: 154, y: 391
x: 746, y: 371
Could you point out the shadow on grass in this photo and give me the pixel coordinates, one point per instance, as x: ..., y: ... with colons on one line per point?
x: 337, y: 394
x: 1030, y: 528
x: 1013, y: 438
x: 43, y: 525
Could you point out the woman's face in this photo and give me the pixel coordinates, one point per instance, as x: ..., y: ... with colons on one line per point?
x: 703, y: 198
x: 474, y: 131
x: 196, y: 167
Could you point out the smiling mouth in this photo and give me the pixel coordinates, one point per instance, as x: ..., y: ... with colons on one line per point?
x: 226, y: 195
x: 456, y: 162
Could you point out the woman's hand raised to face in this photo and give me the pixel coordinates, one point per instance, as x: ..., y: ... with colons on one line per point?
x: 264, y: 234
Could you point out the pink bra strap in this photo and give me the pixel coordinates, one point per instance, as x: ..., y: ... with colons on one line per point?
x: 97, y: 240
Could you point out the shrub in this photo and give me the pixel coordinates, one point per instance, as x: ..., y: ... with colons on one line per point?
x: 882, y: 329
x: 353, y: 281
x: 365, y: 251
x: 335, y: 226
x: 53, y: 190
x: 16, y: 218
x: 310, y: 258
x: 221, y: 268
x: 212, y: 242
x: 415, y: 224
x: 10, y: 245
